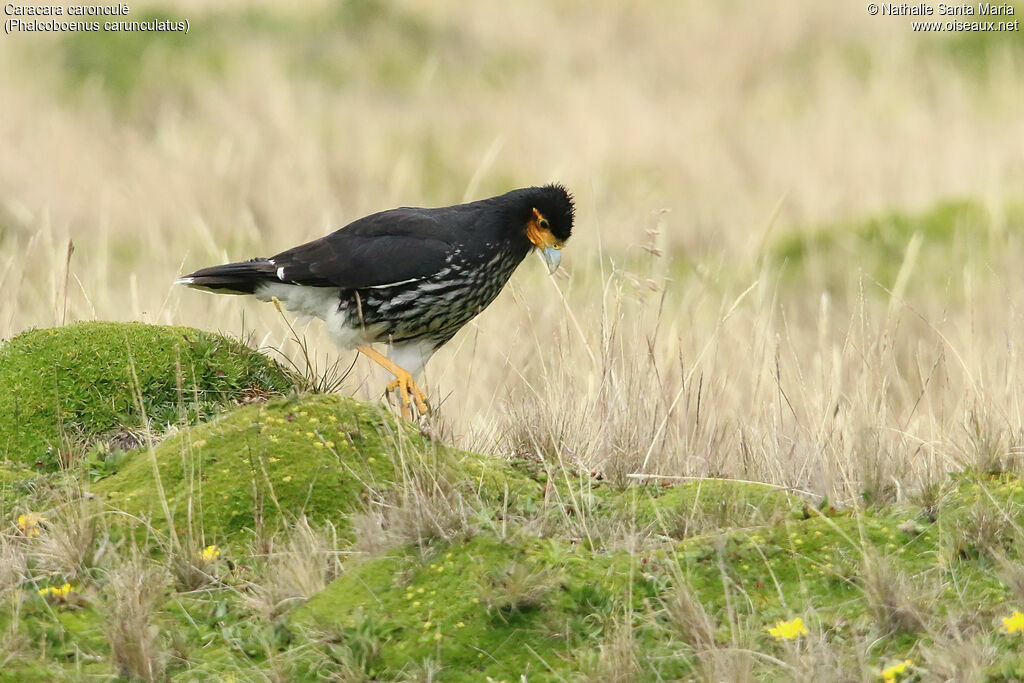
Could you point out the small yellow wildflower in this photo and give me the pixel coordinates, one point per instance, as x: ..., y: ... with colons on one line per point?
x: 332, y: 418
x: 437, y: 636
x: 459, y: 625
x: 209, y: 553
x: 273, y: 439
x: 319, y: 444
x: 426, y: 624
x: 415, y: 603
x: 895, y: 671
x: 310, y: 435
x: 314, y: 420
x: 60, y: 593
x: 788, y: 630
x: 1015, y: 623
x: 286, y: 478
x: 28, y: 523
x: 330, y: 444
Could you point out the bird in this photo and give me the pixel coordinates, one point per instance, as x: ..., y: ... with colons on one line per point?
x: 408, y: 277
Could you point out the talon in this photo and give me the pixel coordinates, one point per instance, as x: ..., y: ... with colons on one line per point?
x: 410, y: 394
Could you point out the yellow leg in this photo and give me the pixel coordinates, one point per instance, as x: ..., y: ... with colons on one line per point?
x: 403, y: 382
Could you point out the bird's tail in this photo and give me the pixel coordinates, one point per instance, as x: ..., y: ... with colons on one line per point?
x: 232, y: 278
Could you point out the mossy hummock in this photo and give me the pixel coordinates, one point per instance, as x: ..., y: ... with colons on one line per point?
x: 65, y: 387
x: 322, y: 456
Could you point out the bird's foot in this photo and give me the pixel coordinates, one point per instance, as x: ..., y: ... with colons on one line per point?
x: 410, y: 394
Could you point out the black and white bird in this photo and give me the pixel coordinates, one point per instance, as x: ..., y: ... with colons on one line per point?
x: 408, y: 277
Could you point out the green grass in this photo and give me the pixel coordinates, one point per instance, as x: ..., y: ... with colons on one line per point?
x: 949, y: 235
x: 320, y: 45
x: 976, y: 51
x: 67, y: 387
x: 873, y: 586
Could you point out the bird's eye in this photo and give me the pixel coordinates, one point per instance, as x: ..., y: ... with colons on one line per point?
x: 543, y: 223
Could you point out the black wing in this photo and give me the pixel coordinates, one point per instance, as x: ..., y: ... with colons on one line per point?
x: 384, y: 248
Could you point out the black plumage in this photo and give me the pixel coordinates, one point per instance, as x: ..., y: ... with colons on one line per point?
x: 410, y: 277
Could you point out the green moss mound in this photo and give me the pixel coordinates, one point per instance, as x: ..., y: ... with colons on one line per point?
x: 872, y: 587
x: 322, y: 456
x: 706, y: 506
x: 499, y: 607
x: 487, y: 608
x: 66, y: 386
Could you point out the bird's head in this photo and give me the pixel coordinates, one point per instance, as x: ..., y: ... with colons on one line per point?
x: 549, y: 222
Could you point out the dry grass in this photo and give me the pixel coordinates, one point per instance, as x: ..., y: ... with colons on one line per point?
x: 298, y: 564
x: 74, y: 541
x: 695, y: 358
x: 134, y: 591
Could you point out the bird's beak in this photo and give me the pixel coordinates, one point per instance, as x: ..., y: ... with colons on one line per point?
x: 552, y: 257
x: 548, y: 245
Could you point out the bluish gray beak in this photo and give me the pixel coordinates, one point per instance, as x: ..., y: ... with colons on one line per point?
x: 552, y: 257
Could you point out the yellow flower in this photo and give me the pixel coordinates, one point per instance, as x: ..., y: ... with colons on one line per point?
x: 788, y: 630
x: 1014, y: 623
x: 209, y: 553
x: 28, y: 523
x: 61, y: 593
x: 896, y: 670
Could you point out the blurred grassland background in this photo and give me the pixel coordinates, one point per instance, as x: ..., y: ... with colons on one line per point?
x: 799, y: 227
